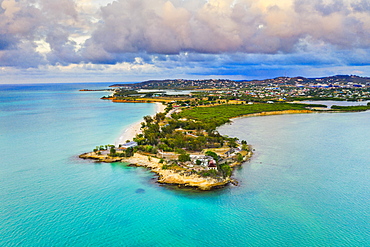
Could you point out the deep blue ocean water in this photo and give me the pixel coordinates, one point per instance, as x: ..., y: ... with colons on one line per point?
x: 307, y: 184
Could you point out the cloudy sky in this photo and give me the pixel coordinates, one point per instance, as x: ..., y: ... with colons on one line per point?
x: 134, y: 40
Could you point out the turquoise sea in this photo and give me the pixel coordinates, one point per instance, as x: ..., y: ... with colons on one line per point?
x: 307, y: 184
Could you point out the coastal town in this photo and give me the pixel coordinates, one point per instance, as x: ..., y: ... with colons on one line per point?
x: 181, y: 144
x: 181, y: 84
x: 345, y: 87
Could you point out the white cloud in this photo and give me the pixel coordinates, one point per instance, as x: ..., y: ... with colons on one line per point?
x: 216, y: 26
x: 186, y: 37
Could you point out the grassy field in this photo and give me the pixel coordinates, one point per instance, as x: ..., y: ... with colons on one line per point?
x: 222, y: 113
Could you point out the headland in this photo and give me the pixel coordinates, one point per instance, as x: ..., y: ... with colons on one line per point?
x: 181, y: 144
x: 206, y: 165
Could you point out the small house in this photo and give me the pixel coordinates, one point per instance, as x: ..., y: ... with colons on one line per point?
x: 212, y: 165
x: 128, y: 145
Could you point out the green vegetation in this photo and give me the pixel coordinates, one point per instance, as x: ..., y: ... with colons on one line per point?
x: 239, y: 157
x: 212, y: 154
x: 220, y: 114
x: 225, y: 170
x: 184, y: 136
x: 351, y: 108
x: 316, y: 105
x: 209, y: 173
x: 103, y: 147
x: 184, y: 157
x: 172, y: 166
x: 129, y: 152
x: 171, y: 135
x: 113, y: 152
x: 191, y: 129
x: 194, y: 129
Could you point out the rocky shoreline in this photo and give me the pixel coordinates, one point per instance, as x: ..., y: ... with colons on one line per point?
x: 184, y: 175
x: 167, y: 176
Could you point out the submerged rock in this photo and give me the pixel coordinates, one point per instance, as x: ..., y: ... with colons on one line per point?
x: 140, y: 191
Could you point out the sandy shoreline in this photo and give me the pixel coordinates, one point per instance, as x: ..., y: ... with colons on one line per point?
x: 269, y: 113
x: 134, y: 128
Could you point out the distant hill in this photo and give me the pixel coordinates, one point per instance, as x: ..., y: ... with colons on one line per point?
x: 225, y: 83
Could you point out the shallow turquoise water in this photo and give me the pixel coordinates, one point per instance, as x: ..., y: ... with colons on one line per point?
x: 311, y: 172
x: 307, y: 184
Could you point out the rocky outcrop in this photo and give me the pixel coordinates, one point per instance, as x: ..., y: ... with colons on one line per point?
x: 101, y: 157
x: 193, y: 180
x: 165, y: 176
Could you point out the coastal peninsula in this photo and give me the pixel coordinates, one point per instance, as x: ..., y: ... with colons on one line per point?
x: 181, y: 144
x: 178, y: 150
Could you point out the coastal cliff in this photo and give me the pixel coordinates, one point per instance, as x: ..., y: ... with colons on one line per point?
x: 165, y: 176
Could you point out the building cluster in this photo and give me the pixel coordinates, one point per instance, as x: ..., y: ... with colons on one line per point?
x: 280, y: 88
x: 184, y: 84
x: 283, y: 93
x: 339, y: 81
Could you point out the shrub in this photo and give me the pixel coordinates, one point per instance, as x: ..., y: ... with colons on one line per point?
x: 245, y: 147
x: 239, y: 157
x: 212, y: 154
x: 205, y: 173
x: 184, y: 157
x: 226, y: 170
x: 180, y: 151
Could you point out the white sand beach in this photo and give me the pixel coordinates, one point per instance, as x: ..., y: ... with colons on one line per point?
x: 159, y: 107
x: 134, y: 129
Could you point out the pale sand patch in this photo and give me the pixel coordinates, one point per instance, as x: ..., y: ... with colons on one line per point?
x: 134, y: 128
x: 129, y: 133
x: 159, y: 107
